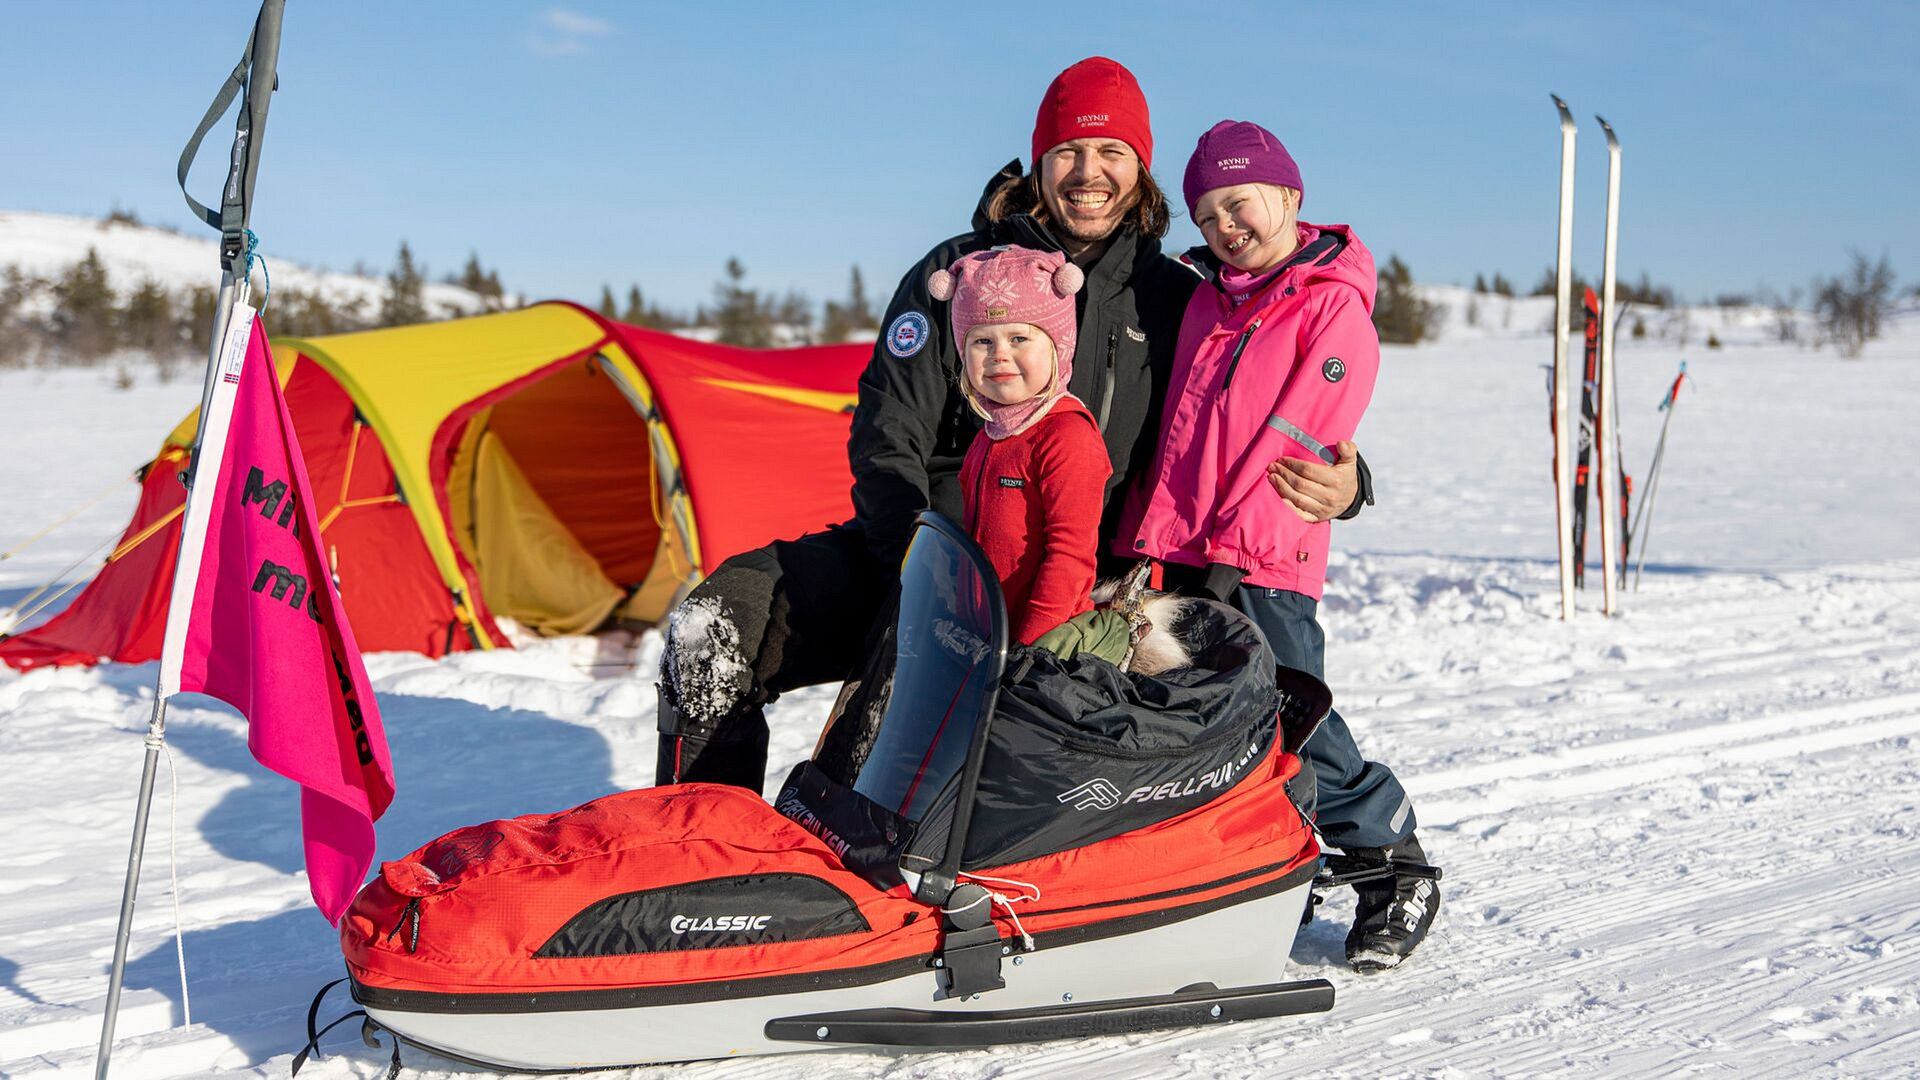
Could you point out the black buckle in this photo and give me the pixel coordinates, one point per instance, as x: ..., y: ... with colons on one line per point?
x: 971, y: 959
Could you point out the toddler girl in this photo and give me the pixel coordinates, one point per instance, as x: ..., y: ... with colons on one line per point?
x: 1034, y: 480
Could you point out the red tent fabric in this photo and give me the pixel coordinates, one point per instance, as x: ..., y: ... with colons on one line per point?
x: 751, y: 444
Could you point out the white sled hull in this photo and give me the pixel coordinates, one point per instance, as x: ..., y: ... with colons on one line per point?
x: 1240, y: 945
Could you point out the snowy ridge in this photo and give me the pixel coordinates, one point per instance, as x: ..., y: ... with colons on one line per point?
x: 1680, y: 841
x: 45, y: 245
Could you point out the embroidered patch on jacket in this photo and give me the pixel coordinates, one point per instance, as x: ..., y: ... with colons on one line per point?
x: 1137, y: 335
x: 1334, y: 369
x: 1012, y: 482
x: 908, y: 335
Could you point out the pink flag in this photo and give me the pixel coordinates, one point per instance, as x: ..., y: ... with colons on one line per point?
x: 265, y: 630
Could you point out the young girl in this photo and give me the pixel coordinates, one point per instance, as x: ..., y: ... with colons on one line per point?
x: 1034, y: 479
x: 1276, y: 357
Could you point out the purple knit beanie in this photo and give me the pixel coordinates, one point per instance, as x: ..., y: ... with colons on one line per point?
x: 1238, y: 152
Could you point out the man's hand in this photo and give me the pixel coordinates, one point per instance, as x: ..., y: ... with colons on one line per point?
x: 1315, y: 490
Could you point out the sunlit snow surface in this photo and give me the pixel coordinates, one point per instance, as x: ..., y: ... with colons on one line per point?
x: 1683, y: 841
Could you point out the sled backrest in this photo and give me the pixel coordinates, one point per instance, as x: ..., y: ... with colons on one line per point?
x: 1304, y: 703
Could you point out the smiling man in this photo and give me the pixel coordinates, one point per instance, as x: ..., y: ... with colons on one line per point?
x: 797, y: 613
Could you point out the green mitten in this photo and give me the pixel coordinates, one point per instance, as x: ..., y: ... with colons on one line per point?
x: 1101, y: 632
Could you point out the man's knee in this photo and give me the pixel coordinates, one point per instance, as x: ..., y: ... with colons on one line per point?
x: 712, y: 638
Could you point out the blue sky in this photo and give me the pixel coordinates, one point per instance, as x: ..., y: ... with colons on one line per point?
x: 602, y: 142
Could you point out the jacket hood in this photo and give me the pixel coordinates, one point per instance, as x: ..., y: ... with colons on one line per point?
x: 1328, y: 253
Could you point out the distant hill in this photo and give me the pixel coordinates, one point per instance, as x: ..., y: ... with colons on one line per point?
x: 43, y: 246
x: 38, y: 251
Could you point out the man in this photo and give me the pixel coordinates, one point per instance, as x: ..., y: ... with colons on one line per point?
x: 797, y: 613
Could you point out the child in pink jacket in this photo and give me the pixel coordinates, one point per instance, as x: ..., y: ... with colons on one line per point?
x: 1035, y: 479
x: 1277, y: 357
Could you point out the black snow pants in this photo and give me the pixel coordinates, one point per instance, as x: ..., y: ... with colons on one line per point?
x: 794, y: 613
x: 1360, y: 803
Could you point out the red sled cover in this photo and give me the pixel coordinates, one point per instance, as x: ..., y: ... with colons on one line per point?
x: 694, y: 884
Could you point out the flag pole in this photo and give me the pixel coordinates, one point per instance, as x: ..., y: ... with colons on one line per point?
x: 256, y: 73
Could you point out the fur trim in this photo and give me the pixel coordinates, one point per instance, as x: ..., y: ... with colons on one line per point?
x: 1162, y: 649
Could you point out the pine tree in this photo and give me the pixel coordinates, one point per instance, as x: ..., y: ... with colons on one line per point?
x: 740, y: 314
x: 196, y: 318
x: 1501, y: 286
x: 852, y: 319
x: 481, y: 282
x: 404, y: 303
x: 146, y: 322
x: 1479, y: 283
x: 16, y: 339
x: 636, y: 312
x: 606, y: 306
x: 83, y: 316
x: 1400, y: 313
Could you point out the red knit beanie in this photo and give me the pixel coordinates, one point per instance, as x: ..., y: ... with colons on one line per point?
x: 1094, y: 99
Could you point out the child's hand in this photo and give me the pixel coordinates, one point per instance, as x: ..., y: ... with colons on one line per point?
x: 1315, y: 490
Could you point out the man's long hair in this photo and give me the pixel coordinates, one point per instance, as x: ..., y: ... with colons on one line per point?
x: 1021, y: 195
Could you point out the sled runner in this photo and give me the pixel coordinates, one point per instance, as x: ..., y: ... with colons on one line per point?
x: 986, y: 847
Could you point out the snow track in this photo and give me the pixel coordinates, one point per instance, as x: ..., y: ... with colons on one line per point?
x: 1683, y: 842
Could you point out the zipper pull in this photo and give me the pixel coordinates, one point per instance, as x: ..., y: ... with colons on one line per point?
x: 409, y: 918
x: 1234, y: 362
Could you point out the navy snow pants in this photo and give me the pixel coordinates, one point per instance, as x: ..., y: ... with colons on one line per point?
x: 1360, y: 803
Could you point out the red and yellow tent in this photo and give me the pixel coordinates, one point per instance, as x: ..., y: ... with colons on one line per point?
x: 547, y: 465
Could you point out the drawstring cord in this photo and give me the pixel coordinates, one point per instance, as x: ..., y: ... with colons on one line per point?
x: 266, y: 279
x: 1028, y: 893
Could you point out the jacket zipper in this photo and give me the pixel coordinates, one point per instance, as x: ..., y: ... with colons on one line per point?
x: 1106, y: 395
x: 1234, y: 362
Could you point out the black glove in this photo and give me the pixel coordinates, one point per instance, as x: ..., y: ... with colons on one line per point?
x: 1220, y: 581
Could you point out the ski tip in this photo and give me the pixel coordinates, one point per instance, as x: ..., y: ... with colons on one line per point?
x: 1566, y: 114
x: 1613, y: 143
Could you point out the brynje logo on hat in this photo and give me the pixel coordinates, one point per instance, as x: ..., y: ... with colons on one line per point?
x: 1094, y: 120
x: 1233, y: 163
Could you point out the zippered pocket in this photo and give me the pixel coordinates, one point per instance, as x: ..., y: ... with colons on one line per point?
x: 1239, y: 347
x: 1106, y: 392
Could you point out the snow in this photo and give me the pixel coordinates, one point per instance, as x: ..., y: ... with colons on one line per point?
x: 1682, y: 841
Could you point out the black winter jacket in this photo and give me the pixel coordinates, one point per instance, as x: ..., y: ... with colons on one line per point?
x: 911, y: 427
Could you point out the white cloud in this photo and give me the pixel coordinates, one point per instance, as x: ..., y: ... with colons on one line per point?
x: 574, y: 24
x: 566, y: 33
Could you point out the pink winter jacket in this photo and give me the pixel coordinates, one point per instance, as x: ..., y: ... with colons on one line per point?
x: 1287, y: 373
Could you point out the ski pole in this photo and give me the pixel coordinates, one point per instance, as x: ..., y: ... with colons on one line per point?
x: 1643, y: 518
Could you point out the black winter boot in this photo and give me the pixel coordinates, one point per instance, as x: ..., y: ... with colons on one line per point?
x: 1392, y: 914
